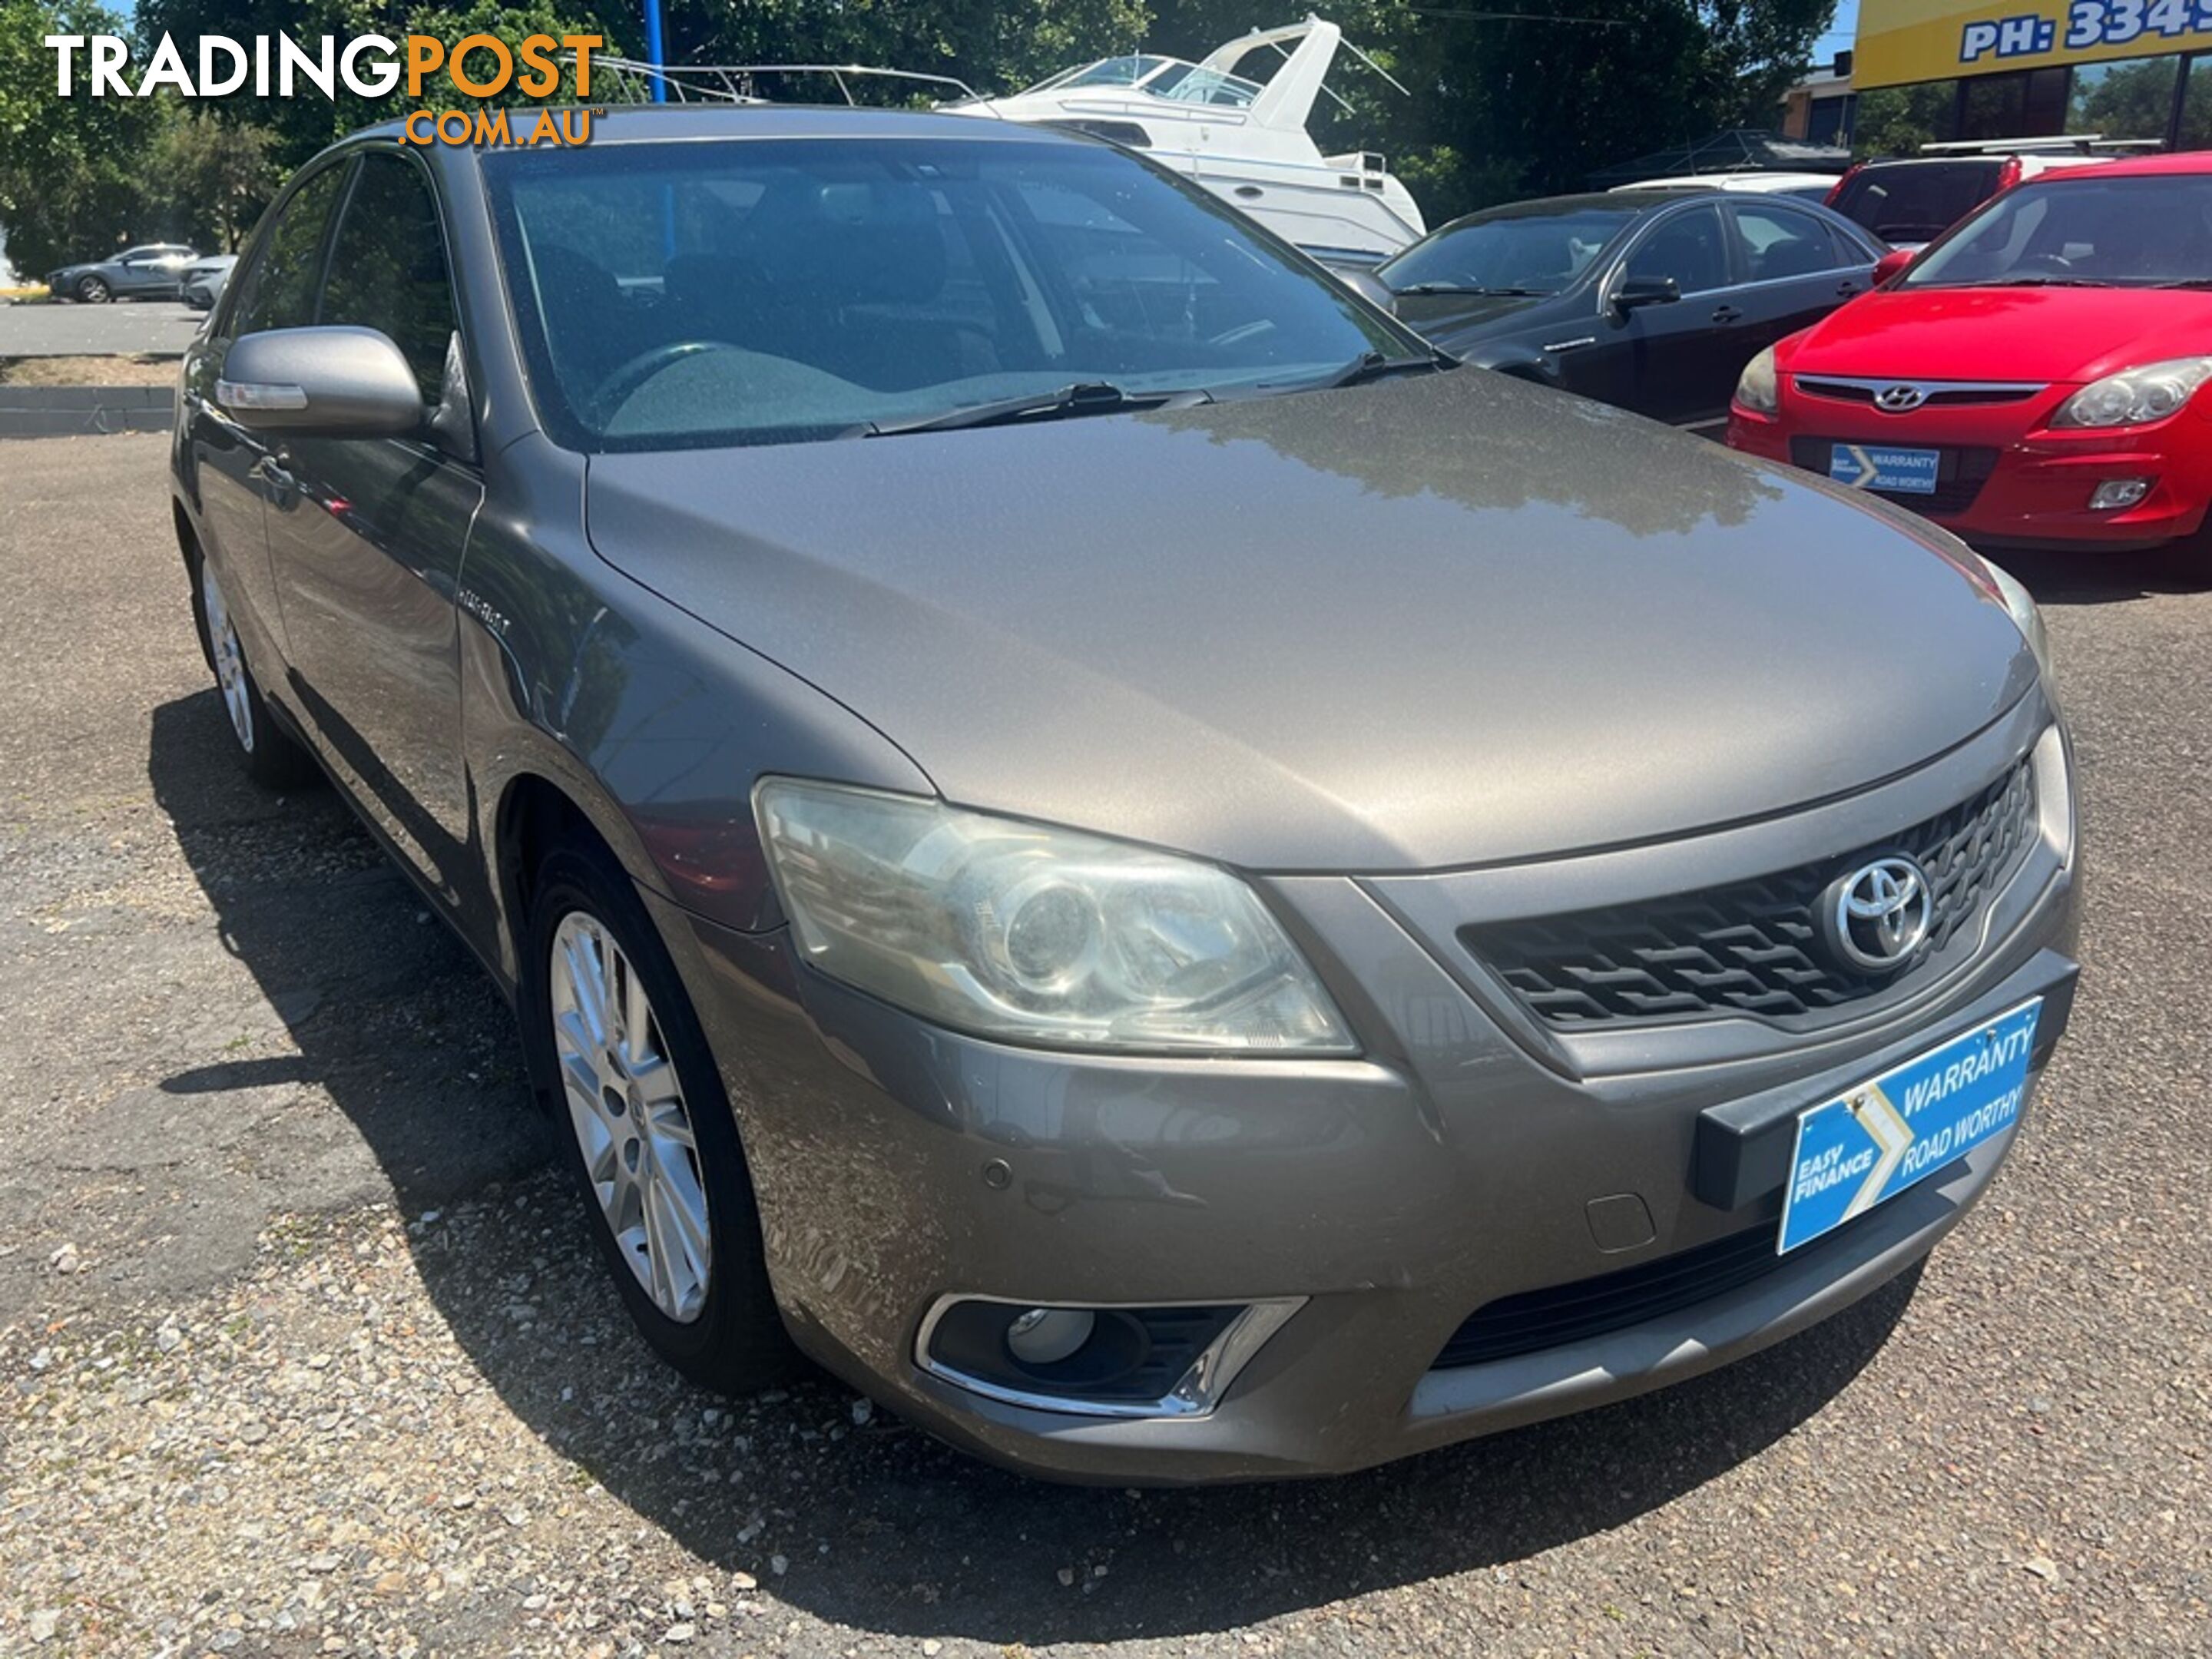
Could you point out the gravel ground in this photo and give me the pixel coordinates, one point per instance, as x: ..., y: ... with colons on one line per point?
x: 303, y: 1348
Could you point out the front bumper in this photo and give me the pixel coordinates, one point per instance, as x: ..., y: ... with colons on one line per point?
x: 1453, y: 1164
x: 2039, y: 482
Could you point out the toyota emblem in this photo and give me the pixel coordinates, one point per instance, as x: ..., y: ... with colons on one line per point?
x: 1876, y: 917
x: 1899, y: 400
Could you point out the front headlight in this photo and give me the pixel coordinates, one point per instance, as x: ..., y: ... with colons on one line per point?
x: 1037, y: 935
x: 2136, y: 397
x: 1757, y: 390
x: 2029, y: 619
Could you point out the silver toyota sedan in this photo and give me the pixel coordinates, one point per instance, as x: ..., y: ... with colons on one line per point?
x: 1085, y: 831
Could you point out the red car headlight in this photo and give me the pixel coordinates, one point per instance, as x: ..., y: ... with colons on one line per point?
x: 2136, y: 397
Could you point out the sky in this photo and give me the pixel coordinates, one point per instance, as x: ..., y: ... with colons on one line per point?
x: 1840, y: 33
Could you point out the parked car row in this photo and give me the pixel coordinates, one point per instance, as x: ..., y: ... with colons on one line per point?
x: 1171, y: 881
x: 2030, y: 379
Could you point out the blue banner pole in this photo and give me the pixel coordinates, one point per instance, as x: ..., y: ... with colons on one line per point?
x: 653, y: 48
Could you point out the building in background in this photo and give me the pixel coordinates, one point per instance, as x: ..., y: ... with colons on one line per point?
x: 1818, y: 108
x: 1938, y: 70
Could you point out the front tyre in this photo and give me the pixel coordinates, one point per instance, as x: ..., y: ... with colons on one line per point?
x: 93, y: 290
x: 273, y: 757
x: 647, y: 1128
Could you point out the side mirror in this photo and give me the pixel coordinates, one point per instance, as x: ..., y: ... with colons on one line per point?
x: 1892, y: 263
x: 1369, y: 286
x: 321, y: 382
x: 1636, y: 292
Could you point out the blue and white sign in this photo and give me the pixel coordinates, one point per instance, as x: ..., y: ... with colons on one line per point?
x: 1905, y: 1125
x: 1878, y: 467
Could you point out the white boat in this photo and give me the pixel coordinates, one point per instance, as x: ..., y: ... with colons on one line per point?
x: 1244, y: 140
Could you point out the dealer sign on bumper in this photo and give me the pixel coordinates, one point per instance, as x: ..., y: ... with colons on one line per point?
x: 1885, y: 1135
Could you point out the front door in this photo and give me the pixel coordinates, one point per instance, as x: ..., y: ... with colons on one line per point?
x: 368, y: 539
x: 231, y: 467
x: 1669, y: 361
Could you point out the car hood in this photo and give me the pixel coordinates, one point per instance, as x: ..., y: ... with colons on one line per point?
x: 2051, y: 335
x: 1453, y: 320
x: 1410, y: 625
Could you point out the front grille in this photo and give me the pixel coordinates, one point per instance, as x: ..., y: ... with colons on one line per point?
x: 1752, y: 946
x: 1552, y: 1318
x: 1959, y: 475
x: 1938, y: 396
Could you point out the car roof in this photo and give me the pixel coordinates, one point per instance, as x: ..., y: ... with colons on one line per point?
x: 2133, y: 167
x: 621, y: 124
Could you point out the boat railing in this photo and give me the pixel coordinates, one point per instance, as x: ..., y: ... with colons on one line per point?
x: 631, y: 81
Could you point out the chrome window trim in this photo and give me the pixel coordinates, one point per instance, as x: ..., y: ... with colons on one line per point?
x: 1196, y: 1395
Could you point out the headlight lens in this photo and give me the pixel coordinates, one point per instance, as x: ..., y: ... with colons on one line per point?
x: 1756, y: 391
x: 2021, y: 603
x: 2136, y: 396
x: 1039, y: 935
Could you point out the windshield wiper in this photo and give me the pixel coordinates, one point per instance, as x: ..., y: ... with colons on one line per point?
x: 1085, y: 398
x: 2038, y: 282
x: 1467, y: 287
x: 1375, y: 366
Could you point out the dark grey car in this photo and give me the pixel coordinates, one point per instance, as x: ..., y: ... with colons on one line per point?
x: 152, y: 271
x: 1173, y: 886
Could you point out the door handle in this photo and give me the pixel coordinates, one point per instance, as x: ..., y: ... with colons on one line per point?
x: 1847, y: 289
x: 277, y: 483
x: 1726, y: 314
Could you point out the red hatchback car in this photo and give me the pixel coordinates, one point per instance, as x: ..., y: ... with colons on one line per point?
x: 2032, y: 378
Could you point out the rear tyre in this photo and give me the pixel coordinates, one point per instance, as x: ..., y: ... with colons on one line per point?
x: 646, y: 1127
x: 93, y: 290
x: 272, y: 756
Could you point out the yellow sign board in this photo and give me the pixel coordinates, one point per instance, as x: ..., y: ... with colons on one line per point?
x: 1901, y: 41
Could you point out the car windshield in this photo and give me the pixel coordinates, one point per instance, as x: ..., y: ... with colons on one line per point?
x: 777, y: 290
x: 2079, y: 230
x: 1517, y: 250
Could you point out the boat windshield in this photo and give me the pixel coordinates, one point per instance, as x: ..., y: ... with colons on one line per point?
x: 1170, y: 78
x: 1106, y: 72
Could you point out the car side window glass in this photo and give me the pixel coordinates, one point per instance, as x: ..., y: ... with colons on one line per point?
x: 279, y: 293
x: 1687, y: 246
x: 388, y: 267
x: 1772, y: 243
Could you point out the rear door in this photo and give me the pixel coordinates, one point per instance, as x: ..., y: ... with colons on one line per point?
x: 1795, y: 268
x: 367, y: 542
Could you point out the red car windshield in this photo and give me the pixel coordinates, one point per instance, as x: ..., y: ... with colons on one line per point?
x: 2081, y: 232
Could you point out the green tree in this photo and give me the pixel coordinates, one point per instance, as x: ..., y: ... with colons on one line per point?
x: 216, y: 175
x: 1898, y: 120
x: 72, y: 169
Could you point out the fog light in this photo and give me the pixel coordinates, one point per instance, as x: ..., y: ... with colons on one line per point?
x: 2114, y: 494
x: 1045, y: 1336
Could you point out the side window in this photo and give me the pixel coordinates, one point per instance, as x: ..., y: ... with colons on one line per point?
x: 388, y: 267
x: 280, y: 290
x: 1687, y: 246
x: 1773, y: 242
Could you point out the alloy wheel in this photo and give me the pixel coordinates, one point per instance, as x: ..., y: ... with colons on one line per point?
x: 92, y: 291
x: 631, y: 1122
x: 229, y: 659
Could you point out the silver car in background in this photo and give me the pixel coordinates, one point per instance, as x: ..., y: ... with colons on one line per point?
x: 1166, y: 881
x: 200, y: 283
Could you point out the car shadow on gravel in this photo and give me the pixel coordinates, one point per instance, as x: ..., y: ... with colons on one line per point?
x: 835, y: 1507
x: 2089, y: 577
